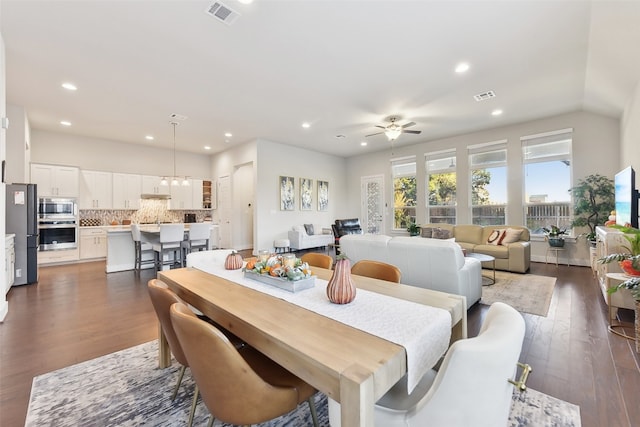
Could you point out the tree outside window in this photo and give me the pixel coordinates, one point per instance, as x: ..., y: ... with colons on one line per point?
x: 404, y: 194
x: 488, y: 168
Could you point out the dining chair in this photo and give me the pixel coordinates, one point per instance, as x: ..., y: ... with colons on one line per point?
x: 377, y: 270
x: 238, y: 386
x: 473, y: 387
x: 198, y: 237
x: 169, y: 242
x: 162, y: 299
x: 315, y: 259
x: 141, y: 247
x: 208, y: 258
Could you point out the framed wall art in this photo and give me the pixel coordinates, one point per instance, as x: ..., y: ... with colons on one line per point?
x: 306, y: 194
x: 323, y: 195
x: 287, y: 193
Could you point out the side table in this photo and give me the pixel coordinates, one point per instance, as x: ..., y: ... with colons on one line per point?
x: 556, y: 251
x: 485, y: 258
x: 619, y: 327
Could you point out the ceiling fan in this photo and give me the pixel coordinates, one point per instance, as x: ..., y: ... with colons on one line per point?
x: 393, y: 130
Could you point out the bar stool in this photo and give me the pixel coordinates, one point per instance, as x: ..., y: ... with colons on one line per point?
x: 141, y: 246
x: 198, y: 238
x: 170, y: 241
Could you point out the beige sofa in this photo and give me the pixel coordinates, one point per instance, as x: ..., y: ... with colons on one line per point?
x: 514, y: 257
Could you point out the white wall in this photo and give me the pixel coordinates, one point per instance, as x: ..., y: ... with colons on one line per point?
x: 18, y: 145
x: 596, y: 141
x: 630, y: 130
x: 4, y: 306
x: 272, y: 160
x: 114, y: 156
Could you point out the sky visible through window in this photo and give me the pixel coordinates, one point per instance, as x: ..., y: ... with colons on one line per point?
x: 550, y: 178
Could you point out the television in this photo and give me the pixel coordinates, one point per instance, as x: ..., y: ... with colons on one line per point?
x: 626, y: 197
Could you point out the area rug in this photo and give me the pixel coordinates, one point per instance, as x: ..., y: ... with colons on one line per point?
x: 527, y: 293
x: 127, y: 388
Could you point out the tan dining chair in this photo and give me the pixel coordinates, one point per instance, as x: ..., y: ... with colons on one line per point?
x: 315, y: 259
x: 473, y: 386
x: 240, y: 387
x: 377, y: 270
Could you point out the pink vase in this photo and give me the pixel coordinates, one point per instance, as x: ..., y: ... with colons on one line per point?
x: 340, y: 288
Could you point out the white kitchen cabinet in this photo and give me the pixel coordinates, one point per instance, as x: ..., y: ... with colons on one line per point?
x: 196, y: 194
x: 127, y: 189
x: 96, y: 190
x: 55, y: 181
x: 54, y: 257
x: 182, y: 196
x: 151, y: 185
x: 10, y: 262
x: 93, y: 243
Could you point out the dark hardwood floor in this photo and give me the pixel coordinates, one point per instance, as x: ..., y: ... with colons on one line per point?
x: 77, y: 312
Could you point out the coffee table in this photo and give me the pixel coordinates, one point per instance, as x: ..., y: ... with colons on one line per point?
x: 485, y: 258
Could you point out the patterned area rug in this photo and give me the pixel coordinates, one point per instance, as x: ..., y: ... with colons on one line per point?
x: 527, y: 293
x: 127, y: 388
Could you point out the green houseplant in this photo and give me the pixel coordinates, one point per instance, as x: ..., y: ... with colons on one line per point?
x: 413, y: 229
x: 555, y: 236
x: 593, y: 201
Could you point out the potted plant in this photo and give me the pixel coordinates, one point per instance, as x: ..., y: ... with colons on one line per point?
x: 413, y: 229
x: 593, y: 200
x: 629, y: 261
x: 555, y: 236
x: 630, y: 264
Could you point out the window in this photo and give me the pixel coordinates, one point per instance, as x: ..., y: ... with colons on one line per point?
x: 441, y: 187
x: 488, y: 171
x: 403, y: 172
x: 547, y: 180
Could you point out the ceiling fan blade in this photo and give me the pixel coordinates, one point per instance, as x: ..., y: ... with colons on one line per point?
x: 417, y: 132
x: 381, y: 127
x: 378, y: 133
x: 406, y: 125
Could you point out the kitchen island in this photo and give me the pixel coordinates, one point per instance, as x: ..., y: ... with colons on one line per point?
x: 120, y: 248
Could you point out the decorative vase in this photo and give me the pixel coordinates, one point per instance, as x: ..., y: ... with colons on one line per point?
x: 627, y: 266
x: 340, y: 288
x: 556, y: 242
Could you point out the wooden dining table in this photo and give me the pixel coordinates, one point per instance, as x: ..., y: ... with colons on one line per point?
x: 350, y: 366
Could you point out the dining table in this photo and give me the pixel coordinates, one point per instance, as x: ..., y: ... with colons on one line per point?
x: 350, y: 365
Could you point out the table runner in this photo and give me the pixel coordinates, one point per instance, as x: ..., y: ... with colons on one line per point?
x: 423, y: 331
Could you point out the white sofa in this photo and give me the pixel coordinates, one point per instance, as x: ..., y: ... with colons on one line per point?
x: 299, y: 239
x: 426, y: 263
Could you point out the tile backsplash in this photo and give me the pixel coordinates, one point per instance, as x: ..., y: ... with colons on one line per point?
x: 151, y: 211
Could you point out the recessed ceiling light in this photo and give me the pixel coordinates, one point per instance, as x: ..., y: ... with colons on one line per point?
x: 149, y: 138
x: 65, y: 123
x: 206, y: 147
x: 228, y: 135
x: 306, y: 125
x: 462, y: 67
x: 496, y: 112
x: 69, y: 86
x: 363, y: 143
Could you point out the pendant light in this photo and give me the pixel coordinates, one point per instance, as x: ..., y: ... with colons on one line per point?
x: 175, y: 180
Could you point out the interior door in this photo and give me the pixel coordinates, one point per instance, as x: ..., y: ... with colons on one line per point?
x: 224, y: 211
x: 372, y: 203
x: 242, y: 236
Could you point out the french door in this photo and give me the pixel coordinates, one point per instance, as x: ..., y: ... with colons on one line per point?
x: 372, y: 203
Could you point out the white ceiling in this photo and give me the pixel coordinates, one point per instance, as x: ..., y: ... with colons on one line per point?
x: 343, y: 66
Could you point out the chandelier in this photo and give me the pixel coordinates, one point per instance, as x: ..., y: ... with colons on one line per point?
x: 175, y: 179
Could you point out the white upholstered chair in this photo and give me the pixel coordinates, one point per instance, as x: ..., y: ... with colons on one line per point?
x: 170, y: 242
x: 198, y: 240
x: 141, y: 247
x: 204, y: 258
x: 472, y: 387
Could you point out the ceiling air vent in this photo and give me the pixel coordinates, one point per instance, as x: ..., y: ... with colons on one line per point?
x: 484, y: 95
x: 222, y: 13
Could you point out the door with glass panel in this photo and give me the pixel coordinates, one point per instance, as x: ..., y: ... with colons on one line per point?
x: 372, y: 193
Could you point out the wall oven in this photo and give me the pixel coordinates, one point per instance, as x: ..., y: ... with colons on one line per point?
x: 57, y: 224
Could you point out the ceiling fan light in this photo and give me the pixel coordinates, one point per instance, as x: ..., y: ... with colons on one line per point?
x: 393, y: 133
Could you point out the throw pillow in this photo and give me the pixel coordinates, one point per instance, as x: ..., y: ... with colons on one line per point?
x: 426, y: 232
x: 512, y: 235
x: 496, y: 236
x: 439, y: 233
x: 309, y: 229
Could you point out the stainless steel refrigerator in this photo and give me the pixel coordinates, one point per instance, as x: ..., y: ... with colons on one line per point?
x: 22, y: 220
